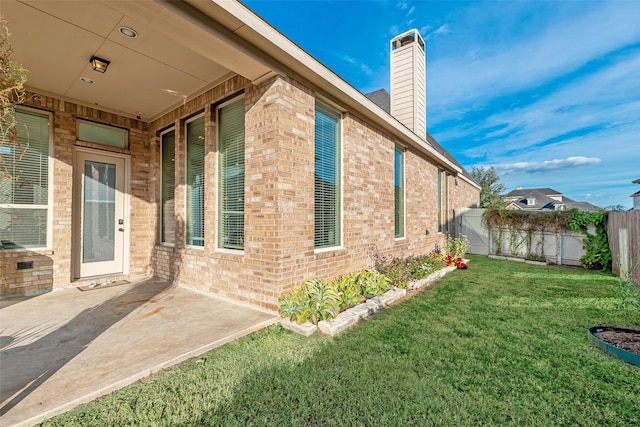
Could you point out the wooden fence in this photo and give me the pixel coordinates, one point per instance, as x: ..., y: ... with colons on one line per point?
x: 623, y: 230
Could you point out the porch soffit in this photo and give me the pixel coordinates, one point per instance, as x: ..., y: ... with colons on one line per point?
x: 168, y: 62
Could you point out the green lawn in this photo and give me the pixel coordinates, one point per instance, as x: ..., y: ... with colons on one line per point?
x: 501, y: 343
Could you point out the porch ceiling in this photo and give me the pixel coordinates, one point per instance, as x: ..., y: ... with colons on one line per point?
x: 169, y: 61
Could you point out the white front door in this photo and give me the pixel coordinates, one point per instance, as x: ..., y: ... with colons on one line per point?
x: 99, y: 218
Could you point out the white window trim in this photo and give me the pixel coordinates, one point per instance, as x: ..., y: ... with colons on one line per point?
x: 50, y: 181
x: 218, y: 205
x: 404, y: 192
x: 186, y: 195
x: 340, y: 112
x: 104, y: 126
x: 172, y: 128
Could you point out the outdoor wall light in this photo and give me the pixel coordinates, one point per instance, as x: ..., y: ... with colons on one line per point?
x: 100, y: 65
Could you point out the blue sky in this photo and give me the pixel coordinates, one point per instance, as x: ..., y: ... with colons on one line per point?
x: 547, y: 92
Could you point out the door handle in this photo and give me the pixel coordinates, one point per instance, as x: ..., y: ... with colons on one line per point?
x: 120, y: 229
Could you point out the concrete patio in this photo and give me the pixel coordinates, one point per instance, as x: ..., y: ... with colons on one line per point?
x: 68, y: 347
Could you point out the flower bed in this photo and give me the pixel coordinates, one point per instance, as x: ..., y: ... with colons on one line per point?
x: 353, y: 315
x: 344, y: 301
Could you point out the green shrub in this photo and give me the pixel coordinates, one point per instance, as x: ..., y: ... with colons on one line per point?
x: 319, y: 300
x: 456, y: 247
x: 402, y: 272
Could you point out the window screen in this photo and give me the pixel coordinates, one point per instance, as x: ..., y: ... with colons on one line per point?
x: 231, y: 146
x: 195, y: 182
x: 327, y: 177
x: 24, y: 183
x: 168, y: 173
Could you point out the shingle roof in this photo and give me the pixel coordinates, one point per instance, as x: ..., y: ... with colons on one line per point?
x: 543, y: 201
x: 381, y: 98
x: 524, y: 191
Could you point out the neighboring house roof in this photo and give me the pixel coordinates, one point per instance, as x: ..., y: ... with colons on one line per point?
x: 636, y: 194
x: 382, y: 98
x: 520, y: 192
x: 538, y: 199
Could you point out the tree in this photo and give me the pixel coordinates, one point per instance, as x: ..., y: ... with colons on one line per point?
x: 491, y: 188
x: 617, y: 208
x: 12, y: 92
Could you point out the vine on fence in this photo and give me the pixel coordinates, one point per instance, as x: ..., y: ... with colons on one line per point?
x: 596, y: 246
x: 521, y: 226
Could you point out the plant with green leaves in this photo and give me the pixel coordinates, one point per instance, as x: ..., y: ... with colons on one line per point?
x: 597, y: 251
x: 12, y: 92
x: 456, y: 247
x: 349, y: 292
x: 314, y: 301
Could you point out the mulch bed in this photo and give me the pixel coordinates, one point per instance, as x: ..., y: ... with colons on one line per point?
x: 628, y: 340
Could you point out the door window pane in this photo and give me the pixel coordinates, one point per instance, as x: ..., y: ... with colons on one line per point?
x: 98, y: 235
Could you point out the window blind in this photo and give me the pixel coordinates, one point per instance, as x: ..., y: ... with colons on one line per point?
x: 168, y: 173
x: 439, y: 201
x: 24, y: 183
x: 399, y: 192
x: 195, y: 182
x: 231, y: 146
x: 327, y: 177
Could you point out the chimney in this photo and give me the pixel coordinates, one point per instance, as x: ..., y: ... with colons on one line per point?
x: 409, y: 81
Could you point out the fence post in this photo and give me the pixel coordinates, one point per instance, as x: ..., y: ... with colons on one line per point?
x: 559, y: 247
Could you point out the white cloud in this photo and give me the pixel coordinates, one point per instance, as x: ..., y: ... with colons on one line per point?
x: 443, y: 29
x: 548, y: 165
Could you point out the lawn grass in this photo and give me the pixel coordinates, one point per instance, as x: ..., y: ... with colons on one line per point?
x: 501, y: 343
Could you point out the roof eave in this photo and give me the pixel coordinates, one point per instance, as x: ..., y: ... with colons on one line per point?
x: 284, y: 56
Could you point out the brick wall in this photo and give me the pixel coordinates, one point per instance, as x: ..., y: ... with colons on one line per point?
x: 54, y: 265
x: 279, y: 196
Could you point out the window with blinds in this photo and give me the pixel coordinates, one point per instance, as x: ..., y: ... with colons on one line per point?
x: 195, y: 181
x: 327, y: 177
x: 446, y: 202
x: 443, y: 201
x: 398, y: 173
x: 24, y: 183
x: 439, y: 201
x: 168, y: 177
x: 231, y: 169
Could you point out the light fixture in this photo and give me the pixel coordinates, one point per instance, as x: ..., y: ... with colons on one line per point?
x: 128, y: 32
x: 100, y: 65
x: 87, y: 80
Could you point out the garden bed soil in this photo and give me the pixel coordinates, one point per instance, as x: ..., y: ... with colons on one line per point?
x: 625, y: 339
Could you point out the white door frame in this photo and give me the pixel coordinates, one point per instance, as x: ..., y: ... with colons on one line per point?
x: 80, y: 154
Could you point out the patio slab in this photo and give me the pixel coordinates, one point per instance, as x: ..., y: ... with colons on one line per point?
x: 68, y: 347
